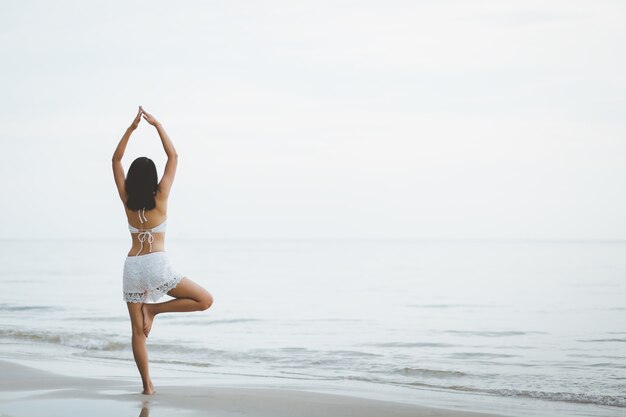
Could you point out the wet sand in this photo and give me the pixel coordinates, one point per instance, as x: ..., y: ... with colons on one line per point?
x: 27, y: 391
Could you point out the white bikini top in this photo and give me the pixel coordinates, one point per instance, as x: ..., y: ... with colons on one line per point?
x: 143, y: 233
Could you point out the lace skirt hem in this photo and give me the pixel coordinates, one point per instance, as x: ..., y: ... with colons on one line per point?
x: 154, y: 294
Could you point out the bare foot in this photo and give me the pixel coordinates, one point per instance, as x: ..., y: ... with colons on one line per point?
x: 149, y: 390
x: 147, y: 319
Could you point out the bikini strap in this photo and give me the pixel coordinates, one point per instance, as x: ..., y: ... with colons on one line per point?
x: 142, y: 238
x: 144, y: 215
x: 145, y: 233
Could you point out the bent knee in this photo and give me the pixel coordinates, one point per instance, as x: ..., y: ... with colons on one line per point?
x: 206, y: 301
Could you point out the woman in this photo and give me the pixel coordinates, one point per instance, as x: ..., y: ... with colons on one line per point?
x: 148, y: 274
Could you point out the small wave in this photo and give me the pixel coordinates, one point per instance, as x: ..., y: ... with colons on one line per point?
x: 294, y: 349
x: 185, y: 363
x: 228, y: 321
x: 100, y: 318
x: 430, y: 373
x: 586, y: 355
x: 412, y: 344
x: 579, y: 398
x: 352, y: 353
x: 480, y: 355
x: 335, y: 319
x: 78, y: 340
x: 504, y: 333
x: 30, y: 336
x: 192, y: 322
x: 609, y: 340
x: 603, y: 365
x: 17, y: 307
x: 90, y: 343
x: 520, y: 347
x: 568, y: 397
x: 438, y: 306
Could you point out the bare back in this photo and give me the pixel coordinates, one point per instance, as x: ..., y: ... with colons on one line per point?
x: 155, y: 217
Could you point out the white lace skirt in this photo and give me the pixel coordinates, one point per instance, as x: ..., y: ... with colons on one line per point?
x: 148, y: 277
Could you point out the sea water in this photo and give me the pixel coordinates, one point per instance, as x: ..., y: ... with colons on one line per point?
x: 543, y: 321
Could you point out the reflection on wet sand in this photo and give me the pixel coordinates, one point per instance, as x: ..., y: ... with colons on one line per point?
x: 145, y: 409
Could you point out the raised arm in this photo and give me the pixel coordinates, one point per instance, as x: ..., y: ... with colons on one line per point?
x: 118, y: 170
x: 165, y: 185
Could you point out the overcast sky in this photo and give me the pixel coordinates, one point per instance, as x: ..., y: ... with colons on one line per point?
x: 316, y: 119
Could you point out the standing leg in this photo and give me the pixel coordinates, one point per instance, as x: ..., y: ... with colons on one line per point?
x: 140, y: 351
x: 189, y: 296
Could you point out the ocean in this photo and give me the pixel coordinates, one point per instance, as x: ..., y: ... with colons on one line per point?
x: 519, y: 327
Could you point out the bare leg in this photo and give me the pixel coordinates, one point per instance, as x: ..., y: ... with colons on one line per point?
x: 140, y: 351
x: 189, y: 296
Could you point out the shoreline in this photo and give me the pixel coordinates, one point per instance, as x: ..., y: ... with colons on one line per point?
x: 36, y: 380
x: 26, y: 390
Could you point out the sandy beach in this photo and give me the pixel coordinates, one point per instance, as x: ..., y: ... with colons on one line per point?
x: 27, y: 391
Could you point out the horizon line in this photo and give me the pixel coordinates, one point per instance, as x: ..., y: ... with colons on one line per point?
x: 408, y: 239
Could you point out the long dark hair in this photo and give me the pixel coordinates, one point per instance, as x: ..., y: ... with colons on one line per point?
x: 141, y: 184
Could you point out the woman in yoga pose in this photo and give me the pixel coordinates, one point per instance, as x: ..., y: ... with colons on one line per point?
x: 148, y: 273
